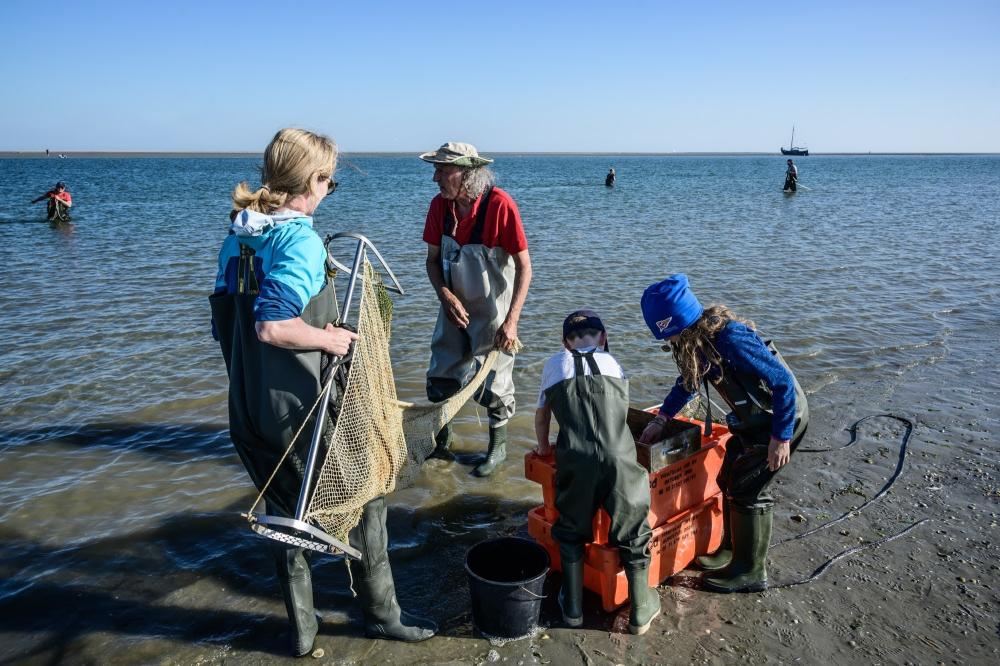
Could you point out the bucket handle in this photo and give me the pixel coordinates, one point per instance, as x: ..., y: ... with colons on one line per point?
x: 524, y: 589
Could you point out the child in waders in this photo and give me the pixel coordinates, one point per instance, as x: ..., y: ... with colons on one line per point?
x: 586, y: 390
x: 768, y: 419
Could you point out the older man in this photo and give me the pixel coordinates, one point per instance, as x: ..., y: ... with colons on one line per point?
x: 478, y: 263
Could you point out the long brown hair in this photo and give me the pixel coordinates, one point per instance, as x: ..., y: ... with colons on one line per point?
x: 696, y: 344
x: 292, y: 158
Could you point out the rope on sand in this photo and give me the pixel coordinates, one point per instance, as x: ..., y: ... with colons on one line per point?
x: 855, y: 511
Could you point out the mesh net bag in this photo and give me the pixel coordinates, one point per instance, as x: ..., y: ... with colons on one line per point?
x: 378, y: 442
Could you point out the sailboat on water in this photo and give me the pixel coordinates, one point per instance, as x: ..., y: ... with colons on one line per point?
x: 792, y: 148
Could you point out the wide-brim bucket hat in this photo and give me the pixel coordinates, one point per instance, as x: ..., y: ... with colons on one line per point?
x: 459, y: 154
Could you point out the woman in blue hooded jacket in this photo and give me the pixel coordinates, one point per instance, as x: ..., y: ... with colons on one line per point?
x: 274, y: 311
x: 768, y: 419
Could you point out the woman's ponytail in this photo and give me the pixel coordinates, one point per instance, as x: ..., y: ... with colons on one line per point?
x: 263, y: 200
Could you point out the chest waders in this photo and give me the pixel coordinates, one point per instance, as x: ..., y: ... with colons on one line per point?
x: 270, y: 391
x: 596, y: 467
x: 740, y: 563
x: 270, y: 388
x: 483, y: 280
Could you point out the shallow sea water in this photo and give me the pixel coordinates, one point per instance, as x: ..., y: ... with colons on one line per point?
x: 120, y: 484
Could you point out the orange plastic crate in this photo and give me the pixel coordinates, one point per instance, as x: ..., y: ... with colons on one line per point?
x: 674, y: 545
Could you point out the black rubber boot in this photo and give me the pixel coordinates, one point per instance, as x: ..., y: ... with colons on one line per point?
x: 443, y: 441
x: 571, y: 592
x: 644, y: 599
x: 376, y: 588
x: 496, y: 454
x: 751, y: 529
x: 721, y: 557
x: 296, y: 587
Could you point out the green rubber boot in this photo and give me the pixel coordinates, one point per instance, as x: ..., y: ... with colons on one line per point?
x: 644, y: 599
x: 571, y: 592
x: 376, y: 588
x: 296, y: 586
x: 751, y: 529
x: 496, y: 454
x: 443, y: 441
x: 721, y: 557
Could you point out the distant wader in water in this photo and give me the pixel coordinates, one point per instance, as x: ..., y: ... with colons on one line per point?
x: 791, y: 177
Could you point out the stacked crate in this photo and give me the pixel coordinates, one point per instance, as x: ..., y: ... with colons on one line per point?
x: 685, y: 509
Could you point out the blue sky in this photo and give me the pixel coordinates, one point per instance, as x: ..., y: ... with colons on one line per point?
x: 511, y: 76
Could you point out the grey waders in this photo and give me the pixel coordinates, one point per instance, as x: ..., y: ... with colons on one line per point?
x: 596, y: 466
x: 375, y: 587
x: 483, y: 280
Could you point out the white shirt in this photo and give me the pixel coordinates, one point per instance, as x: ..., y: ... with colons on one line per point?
x: 562, y: 367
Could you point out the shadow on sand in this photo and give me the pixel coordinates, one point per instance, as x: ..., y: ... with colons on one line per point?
x: 204, y: 578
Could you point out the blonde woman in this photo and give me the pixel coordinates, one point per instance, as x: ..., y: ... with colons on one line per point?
x: 768, y: 419
x: 272, y: 312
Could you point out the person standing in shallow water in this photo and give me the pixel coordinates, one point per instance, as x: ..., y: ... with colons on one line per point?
x: 768, y: 419
x: 59, y: 202
x: 272, y: 312
x: 791, y: 177
x: 478, y: 264
x: 609, y: 180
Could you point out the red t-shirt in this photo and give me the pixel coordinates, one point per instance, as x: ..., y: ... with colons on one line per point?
x: 63, y: 196
x: 501, y: 228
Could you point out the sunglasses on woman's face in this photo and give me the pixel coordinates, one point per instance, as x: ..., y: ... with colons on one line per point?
x: 331, y: 184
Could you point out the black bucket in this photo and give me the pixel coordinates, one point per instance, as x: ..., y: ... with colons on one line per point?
x: 506, y: 576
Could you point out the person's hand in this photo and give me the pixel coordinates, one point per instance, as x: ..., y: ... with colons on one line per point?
x: 454, y: 309
x: 778, y: 453
x: 653, y: 431
x: 338, y: 340
x: 505, y: 336
x: 543, y: 451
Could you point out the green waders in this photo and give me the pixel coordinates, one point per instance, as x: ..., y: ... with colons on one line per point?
x: 741, y: 563
x: 483, y: 280
x: 596, y: 466
x: 271, y: 390
x: 375, y: 587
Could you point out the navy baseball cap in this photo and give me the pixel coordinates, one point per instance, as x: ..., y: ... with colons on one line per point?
x: 582, y: 320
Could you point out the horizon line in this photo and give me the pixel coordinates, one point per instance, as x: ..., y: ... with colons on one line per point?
x: 7, y: 154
